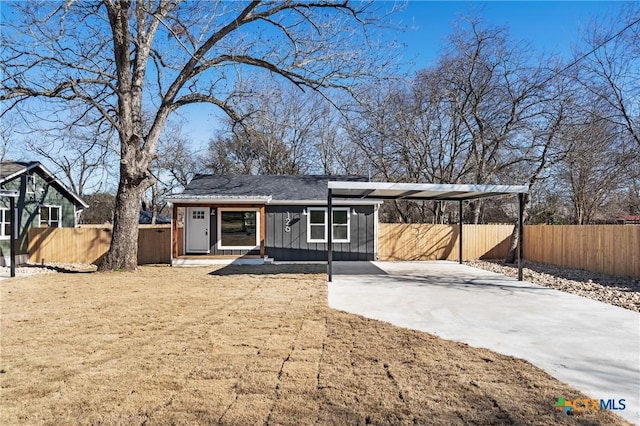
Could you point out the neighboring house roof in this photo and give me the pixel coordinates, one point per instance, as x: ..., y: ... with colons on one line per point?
x: 629, y: 219
x: 9, y: 170
x: 146, y: 216
x: 259, y: 189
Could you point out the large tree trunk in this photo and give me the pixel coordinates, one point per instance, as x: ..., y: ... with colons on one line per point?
x: 515, y: 235
x: 123, y: 252
x: 476, y: 209
x: 134, y: 180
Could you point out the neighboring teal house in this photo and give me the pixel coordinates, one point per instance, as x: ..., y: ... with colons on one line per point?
x: 42, y: 201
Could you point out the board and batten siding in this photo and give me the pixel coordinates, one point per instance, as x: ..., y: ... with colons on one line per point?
x: 293, y: 246
x: 29, y: 204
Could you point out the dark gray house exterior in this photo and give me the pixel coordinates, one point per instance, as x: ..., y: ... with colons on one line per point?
x: 42, y: 201
x: 283, y: 218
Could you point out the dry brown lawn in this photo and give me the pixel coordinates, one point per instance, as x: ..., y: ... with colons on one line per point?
x: 238, y: 346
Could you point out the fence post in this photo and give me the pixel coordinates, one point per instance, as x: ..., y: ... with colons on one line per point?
x: 460, y: 232
x: 520, y: 233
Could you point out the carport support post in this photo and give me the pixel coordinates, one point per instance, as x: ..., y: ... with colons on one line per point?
x: 520, y: 233
x: 329, y: 237
x: 460, y: 232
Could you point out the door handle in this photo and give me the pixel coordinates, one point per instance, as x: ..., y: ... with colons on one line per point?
x: 206, y: 231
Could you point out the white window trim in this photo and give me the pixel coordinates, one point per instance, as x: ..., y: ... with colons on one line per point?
x: 3, y: 222
x: 219, y: 227
x: 326, y: 225
x: 49, y: 221
x: 30, y: 184
x: 318, y: 209
x: 348, y: 239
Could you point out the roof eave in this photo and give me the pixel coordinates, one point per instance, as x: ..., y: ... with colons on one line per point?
x: 198, y: 199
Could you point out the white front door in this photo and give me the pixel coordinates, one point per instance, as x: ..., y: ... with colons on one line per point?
x: 198, y: 230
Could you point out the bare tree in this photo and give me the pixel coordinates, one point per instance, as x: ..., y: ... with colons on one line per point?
x: 172, y: 168
x: 157, y: 56
x: 101, y: 207
x: 545, y: 132
x: 611, y: 70
x: 6, y: 138
x: 83, y: 155
x: 594, y: 168
x: 466, y: 119
x: 496, y: 90
x: 284, y: 131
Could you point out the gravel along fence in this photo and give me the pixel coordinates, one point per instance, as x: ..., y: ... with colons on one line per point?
x: 618, y: 291
x: 48, y: 268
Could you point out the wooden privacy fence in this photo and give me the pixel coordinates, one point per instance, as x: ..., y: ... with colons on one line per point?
x: 89, y: 244
x: 612, y: 249
x: 440, y: 242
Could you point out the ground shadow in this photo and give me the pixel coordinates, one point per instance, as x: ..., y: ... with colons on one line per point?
x: 357, y: 268
x: 270, y: 269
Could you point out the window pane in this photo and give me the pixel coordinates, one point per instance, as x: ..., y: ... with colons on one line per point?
x: 317, y: 232
x: 316, y: 216
x: 7, y: 229
x: 340, y: 232
x: 238, y: 229
x: 55, y: 213
x: 340, y: 217
x: 44, y: 214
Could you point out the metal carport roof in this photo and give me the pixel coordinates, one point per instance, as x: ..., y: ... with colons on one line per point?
x: 422, y: 192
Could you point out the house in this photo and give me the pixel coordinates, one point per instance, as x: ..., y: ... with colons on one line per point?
x: 283, y: 218
x: 42, y: 201
x: 629, y: 220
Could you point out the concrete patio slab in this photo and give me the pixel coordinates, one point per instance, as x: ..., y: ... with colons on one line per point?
x: 590, y: 345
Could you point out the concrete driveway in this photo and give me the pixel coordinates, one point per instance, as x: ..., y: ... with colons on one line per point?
x: 588, y: 344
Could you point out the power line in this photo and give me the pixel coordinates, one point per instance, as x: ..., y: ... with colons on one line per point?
x: 592, y: 51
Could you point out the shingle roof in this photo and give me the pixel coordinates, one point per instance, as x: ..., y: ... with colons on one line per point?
x: 11, y: 168
x: 279, y: 188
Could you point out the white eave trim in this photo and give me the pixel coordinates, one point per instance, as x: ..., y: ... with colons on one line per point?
x: 336, y: 201
x: 268, y: 200
x: 213, y: 199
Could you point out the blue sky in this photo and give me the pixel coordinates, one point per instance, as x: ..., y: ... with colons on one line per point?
x: 551, y: 26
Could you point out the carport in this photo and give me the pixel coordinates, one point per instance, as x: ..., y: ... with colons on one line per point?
x: 423, y: 192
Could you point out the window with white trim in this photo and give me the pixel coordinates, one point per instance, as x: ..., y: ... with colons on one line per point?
x: 30, y: 184
x: 341, y: 225
x: 238, y: 228
x: 50, y: 217
x: 5, y: 224
x: 316, y: 225
x: 317, y: 219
